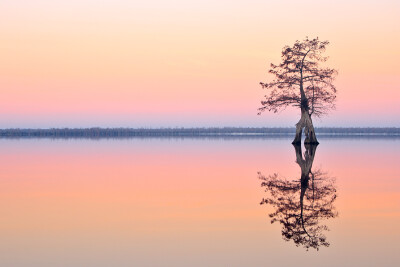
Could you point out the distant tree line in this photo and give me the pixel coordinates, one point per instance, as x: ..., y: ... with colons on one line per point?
x: 187, y: 132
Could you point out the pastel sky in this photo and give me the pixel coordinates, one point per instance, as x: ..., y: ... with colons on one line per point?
x: 109, y: 63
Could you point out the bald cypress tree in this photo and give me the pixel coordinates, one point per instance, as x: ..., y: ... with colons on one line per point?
x: 300, y: 81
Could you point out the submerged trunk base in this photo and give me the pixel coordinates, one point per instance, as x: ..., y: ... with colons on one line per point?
x: 306, y: 123
x: 297, y: 138
x: 296, y: 142
x: 309, y: 142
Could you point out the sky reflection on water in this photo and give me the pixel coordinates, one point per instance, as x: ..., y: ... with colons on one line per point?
x: 189, y: 202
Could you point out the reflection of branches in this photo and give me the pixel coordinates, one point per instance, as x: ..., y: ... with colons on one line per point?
x: 300, y: 204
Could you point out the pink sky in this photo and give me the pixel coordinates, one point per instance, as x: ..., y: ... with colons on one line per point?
x: 187, y: 63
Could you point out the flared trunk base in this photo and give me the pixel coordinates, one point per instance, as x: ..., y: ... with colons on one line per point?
x: 306, y: 123
x: 309, y: 142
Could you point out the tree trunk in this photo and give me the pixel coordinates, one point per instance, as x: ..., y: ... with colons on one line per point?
x: 306, y: 123
x: 309, y: 131
x: 299, y: 132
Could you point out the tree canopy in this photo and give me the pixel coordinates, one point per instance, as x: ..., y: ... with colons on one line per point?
x: 300, y: 81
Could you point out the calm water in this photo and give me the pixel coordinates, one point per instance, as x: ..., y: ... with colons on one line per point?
x: 196, y: 202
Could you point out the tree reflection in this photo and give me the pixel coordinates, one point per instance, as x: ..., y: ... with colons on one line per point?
x: 301, y: 204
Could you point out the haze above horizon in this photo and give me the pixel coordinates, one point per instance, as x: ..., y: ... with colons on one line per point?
x: 188, y: 63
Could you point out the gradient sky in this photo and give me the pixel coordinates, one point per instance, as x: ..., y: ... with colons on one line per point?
x: 187, y: 63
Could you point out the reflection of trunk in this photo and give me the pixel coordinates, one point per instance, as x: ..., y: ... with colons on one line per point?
x: 305, y: 165
x: 300, y: 219
x: 306, y: 123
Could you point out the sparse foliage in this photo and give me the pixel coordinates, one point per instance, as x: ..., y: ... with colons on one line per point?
x: 300, y: 81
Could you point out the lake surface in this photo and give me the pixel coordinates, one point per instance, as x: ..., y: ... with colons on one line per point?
x: 196, y: 202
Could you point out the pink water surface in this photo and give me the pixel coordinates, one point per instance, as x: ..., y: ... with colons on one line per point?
x: 188, y: 202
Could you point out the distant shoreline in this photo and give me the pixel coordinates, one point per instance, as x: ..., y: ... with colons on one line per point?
x: 232, y: 132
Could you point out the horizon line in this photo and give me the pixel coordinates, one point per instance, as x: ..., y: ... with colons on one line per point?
x: 199, y: 127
